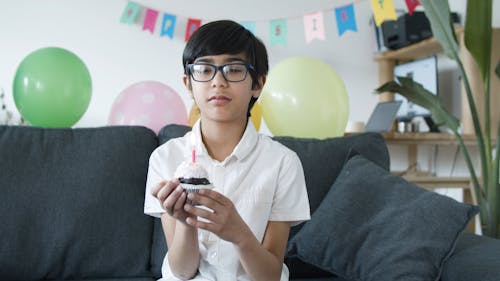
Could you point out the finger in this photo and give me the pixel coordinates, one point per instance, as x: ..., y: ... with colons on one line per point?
x: 199, y: 212
x: 211, y: 227
x: 203, y: 200
x: 156, y: 188
x: 179, y: 204
x: 172, y: 199
x: 216, y: 196
x: 211, y: 199
x: 166, y: 190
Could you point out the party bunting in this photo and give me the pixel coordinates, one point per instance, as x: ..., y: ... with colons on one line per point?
x: 383, y: 10
x: 277, y: 29
x: 412, y: 4
x: 150, y: 20
x: 168, y: 25
x: 191, y: 27
x: 345, y: 19
x: 130, y: 13
x: 314, y: 27
x: 250, y: 25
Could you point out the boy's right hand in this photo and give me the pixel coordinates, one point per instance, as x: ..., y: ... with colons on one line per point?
x: 172, y: 198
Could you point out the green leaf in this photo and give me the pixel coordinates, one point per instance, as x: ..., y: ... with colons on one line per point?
x: 478, y: 33
x: 438, y: 13
x: 497, y: 69
x: 417, y: 94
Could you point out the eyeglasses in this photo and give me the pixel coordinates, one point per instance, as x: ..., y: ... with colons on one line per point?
x: 232, y: 72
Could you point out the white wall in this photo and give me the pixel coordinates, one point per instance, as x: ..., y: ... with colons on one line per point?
x: 119, y: 55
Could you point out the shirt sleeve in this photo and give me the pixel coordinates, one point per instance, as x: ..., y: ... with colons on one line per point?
x: 291, y: 202
x: 152, y: 205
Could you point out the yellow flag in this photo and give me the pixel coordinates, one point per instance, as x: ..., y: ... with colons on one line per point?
x: 382, y: 10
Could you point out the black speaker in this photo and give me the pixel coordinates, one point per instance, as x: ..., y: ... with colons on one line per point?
x: 406, y: 30
x: 416, y: 27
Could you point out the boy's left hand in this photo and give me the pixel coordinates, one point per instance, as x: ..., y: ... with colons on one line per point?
x: 224, y: 220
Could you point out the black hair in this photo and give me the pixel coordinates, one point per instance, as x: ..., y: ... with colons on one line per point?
x: 228, y: 37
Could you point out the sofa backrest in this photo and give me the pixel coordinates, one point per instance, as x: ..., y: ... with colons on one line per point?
x: 71, y: 204
x: 322, y: 161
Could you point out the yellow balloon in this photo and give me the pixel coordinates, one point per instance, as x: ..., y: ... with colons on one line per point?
x: 305, y: 97
x: 256, y: 115
x: 194, y: 114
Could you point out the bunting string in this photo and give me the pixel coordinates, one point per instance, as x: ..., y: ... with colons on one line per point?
x: 314, y: 24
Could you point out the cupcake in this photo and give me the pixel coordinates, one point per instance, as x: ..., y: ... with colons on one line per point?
x: 192, y: 177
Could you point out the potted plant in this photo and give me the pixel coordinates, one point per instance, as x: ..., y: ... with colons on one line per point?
x: 478, y: 38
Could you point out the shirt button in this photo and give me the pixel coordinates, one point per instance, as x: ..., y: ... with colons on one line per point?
x: 213, y: 255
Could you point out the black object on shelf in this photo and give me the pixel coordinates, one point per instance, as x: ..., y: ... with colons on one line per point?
x: 406, y: 30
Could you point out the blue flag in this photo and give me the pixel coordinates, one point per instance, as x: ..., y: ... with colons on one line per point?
x: 168, y: 25
x: 345, y: 19
x: 250, y: 25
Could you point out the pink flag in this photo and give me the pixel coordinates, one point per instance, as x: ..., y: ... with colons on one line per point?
x: 314, y: 27
x: 150, y: 20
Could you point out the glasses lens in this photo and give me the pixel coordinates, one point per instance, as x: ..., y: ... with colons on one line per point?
x: 202, y: 72
x: 235, y: 72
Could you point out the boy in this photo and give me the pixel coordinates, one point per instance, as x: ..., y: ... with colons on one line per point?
x: 240, y: 229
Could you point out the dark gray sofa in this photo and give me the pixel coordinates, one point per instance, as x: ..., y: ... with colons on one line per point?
x: 72, y: 200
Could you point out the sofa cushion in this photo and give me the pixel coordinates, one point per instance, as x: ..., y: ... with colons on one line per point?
x: 72, y: 203
x: 474, y: 256
x: 376, y: 226
x: 322, y: 161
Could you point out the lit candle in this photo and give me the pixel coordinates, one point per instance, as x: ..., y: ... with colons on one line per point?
x: 193, y: 144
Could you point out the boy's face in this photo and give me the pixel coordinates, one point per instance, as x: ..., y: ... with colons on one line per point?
x: 218, y: 99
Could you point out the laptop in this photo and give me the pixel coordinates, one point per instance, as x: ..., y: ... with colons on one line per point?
x: 383, y: 117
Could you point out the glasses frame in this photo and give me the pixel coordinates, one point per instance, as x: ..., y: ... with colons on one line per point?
x: 218, y: 68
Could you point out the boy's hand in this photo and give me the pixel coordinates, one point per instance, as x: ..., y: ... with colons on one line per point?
x: 172, y: 198
x: 224, y: 220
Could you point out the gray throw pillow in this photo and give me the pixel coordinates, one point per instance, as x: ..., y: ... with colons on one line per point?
x: 72, y: 203
x: 376, y: 226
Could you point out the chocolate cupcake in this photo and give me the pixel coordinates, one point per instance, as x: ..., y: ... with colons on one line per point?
x: 193, y: 177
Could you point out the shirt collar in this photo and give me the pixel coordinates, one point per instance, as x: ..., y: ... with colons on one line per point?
x: 247, y: 142
x: 242, y: 149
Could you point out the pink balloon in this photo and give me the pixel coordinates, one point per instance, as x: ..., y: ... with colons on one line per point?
x: 149, y: 103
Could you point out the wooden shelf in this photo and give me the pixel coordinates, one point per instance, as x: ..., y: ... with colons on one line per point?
x: 432, y: 182
x: 427, y: 138
x: 424, y: 48
x: 424, y: 178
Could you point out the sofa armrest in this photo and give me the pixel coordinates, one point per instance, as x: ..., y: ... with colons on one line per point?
x: 475, y: 258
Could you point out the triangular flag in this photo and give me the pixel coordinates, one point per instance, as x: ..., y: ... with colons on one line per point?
x: 314, y: 27
x: 345, y: 19
x: 191, y: 27
x: 382, y: 10
x: 150, y: 20
x: 130, y: 13
x: 412, y: 4
x: 168, y: 25
x: 250, y: 25
x: 277, y: 29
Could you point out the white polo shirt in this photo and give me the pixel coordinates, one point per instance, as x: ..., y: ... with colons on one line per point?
x: 264, y: 180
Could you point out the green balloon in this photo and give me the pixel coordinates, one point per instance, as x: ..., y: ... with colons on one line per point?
x: 305, y: 97
x: 52, y: 88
